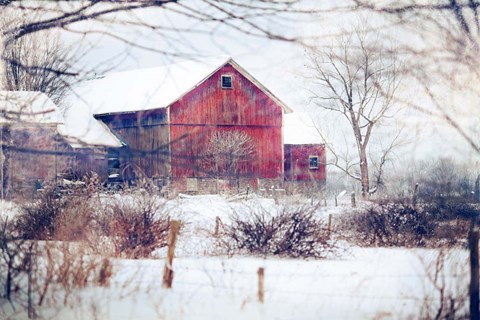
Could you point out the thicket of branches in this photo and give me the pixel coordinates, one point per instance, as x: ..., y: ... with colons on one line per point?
x: 290, y: 232
x: 36, y: 62
x: 397, y: 222
x: 136, y: 226
x: 228, y: 154
x: 34, y: 274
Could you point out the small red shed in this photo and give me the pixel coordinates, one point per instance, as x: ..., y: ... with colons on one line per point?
x: 305, y: 162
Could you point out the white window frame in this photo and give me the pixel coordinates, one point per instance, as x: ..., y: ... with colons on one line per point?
x: 310, y: 163
x: 226, y: 76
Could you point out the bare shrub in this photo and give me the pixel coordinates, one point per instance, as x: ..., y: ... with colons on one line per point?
x: 75, y: 221
x: 36, y: 220
x: 55, y: 216
x: 136, y: 225
x: 391, y: 223
x: 399, y: 223
x: 446, y: 290
x: 63, y: 268
x: 290, y: 232
x: 452, y: 207
x: 37, y: 274
x: 11, y: 257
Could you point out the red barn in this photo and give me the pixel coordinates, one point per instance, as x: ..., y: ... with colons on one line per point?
x: 164, y: 118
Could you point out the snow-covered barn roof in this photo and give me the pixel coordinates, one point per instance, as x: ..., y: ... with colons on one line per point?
x: 28, y: 107
x: 153, y: 88
x: 87, y: 132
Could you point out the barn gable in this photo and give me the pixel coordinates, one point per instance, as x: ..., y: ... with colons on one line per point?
x: 243, y: 106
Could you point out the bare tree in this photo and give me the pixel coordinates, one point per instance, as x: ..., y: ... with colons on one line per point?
x: 444, y: 54
x: 36, y: 62
x: 358, y: 83
x: 227, y: 154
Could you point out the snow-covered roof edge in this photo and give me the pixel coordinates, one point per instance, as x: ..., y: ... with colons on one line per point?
x: 108, y: 138
x: 240, y: 69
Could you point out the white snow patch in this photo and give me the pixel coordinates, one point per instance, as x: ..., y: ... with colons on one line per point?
x: 8, y: 210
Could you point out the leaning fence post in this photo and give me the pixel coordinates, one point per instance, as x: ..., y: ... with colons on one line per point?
x: 354, y: 203
x: 172, y: 239
x: 474, y: 273
x: 261, y: 290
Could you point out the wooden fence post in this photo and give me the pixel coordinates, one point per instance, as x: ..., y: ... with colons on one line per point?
x: 218, y: 222
x: 415, y: 194
x: 474, y: 276
x: 354, y: 202
x: 329, y: 225
x: 261, y: 290
x: 172, y: 239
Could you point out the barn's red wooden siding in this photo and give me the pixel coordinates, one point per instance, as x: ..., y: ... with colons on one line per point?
x: 209, y: 107
x: 297, y: 162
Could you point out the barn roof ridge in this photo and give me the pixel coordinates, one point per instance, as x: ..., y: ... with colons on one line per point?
x: 225, y: 60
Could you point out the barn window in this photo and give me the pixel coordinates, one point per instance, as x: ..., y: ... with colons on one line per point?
x: 313, y: 162
x: 114, y: 173
x: 226, y: 81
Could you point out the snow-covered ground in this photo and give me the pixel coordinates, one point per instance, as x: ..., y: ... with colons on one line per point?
x: 360, y: 283
x: 366, y: 284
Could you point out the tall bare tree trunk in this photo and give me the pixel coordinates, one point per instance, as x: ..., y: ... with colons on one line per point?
x: 365, y: 181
